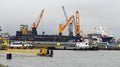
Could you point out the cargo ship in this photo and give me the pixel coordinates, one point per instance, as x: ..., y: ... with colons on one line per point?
x: 31, y: 35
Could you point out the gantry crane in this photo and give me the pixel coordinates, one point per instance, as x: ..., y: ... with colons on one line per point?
x: 70, y: 27
x: 61, y: 27
x: 35, y: 24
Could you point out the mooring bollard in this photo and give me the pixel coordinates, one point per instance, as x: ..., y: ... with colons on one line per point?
x: 51, y: 53
x: 9, y: 56
x: 47, y: 51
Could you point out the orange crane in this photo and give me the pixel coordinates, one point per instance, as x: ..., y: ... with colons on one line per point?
x: 61, y: 27
x: 70, y: 27
x: 77, y: 23
x: 35, y: 24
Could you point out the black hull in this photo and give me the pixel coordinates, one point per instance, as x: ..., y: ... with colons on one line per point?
x: 47, y: 38
x: 106, y: 39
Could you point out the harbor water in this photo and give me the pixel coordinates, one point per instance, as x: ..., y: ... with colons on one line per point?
x: 64, y: 58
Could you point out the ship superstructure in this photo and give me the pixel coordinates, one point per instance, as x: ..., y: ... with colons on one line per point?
x: 101, y: 35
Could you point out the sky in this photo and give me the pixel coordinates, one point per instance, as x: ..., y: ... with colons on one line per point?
x: 93, y: 13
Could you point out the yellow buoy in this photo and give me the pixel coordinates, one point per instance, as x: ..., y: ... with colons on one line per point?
x: 58, y: 44
x: 118, y: 45
x: 5, y: 43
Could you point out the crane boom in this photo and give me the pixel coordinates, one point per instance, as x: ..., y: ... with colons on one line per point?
x: 65, y: 13
x: 61, y: 27
x: 77, y: 23
x: 70, y: 27
x: 35, y: 25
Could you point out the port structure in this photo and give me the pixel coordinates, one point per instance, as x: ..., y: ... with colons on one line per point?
x: 77, y: 24
x: 62, y: 28
x: 33, y: 51
x: 35, y: 24
x: 40, y: 52
x: 70, y: 27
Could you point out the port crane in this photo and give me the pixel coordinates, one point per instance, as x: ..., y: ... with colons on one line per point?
x: 70, y: 27
x: 65, y: 13
x: 61, y: 27
x: 35, y: 24
x: 77, y: 23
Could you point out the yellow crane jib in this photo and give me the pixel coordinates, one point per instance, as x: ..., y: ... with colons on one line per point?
x: 61, y: 27
x: 35, y: 24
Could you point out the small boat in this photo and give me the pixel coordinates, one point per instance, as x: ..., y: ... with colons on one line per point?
x: 19, y: 44
x: 45, y: 52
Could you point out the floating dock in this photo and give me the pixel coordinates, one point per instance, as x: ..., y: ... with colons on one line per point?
x: 73, y: 48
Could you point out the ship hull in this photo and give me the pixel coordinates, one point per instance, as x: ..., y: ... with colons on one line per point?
x: 106, y: 39
x: 46, y: 38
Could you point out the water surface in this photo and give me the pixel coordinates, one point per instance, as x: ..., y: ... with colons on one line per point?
x: 64, y: 58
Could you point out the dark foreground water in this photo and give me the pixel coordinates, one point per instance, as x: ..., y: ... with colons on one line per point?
x: 64, y: 59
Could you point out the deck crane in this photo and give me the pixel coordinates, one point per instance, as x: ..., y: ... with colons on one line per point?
x: 61, y: 27
x: 65, y: 13
x: 77, y: 23
x: 70, y: 28
x: 35, y: 24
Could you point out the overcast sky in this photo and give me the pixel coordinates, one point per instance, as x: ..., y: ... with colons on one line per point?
x: 92, y: 13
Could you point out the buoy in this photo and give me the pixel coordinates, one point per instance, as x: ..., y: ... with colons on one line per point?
x: 9, y: 56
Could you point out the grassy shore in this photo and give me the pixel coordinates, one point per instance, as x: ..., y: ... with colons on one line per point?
x: 2, y: 65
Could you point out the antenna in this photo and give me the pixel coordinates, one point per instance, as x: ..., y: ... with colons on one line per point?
x: 0, y: 28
